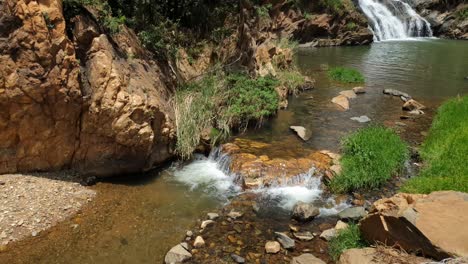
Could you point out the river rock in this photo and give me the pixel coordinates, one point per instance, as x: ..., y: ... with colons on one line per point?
x: 380, y: 255
x: 304, y: 212
x: 234, y: 214
x: 350, y: 94
x: 416, y: 112
x: 328, y: 234
x: 237, y: 258
x: 307, y: 259
x: 359, y: 90
x: 342, y: 101
x: 302, y: 132
x: 272, y: 247
x: 212, y: 216
x: 433, y: 225
x: 206, y: 223
x: 361, y: 119
x: 352, y: 213
x: 177, y: 254
x: 199, y: 242
x: 397, y: 93
x: 340, y: 225
x: 189, y: 233
x: 412, y: 104
x: 304, y: 236
x: 285, y: 240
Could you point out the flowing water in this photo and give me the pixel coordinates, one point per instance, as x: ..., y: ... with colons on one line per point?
x: 137, y: 221
x: 394, y: 19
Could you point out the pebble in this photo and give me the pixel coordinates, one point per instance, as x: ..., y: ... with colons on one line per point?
x: 189, y: 233
x: 213, y: 216
x: 272, y: 247
x: 285, y: 240
x: 199, y: 242
x: 206, y: 223
x: 237, y: 258
x: 234, y: 214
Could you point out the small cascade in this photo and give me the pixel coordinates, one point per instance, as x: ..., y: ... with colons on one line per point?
x: 394, y: 19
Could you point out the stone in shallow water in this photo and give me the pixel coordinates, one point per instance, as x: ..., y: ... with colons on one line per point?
x: 272, y: 247
x: 302, y: 132
x: 353, y: 213
x: 307, y: 259
x: 361, y: 119
x: 396, y: 93
x: 237, y: 258
x: 199, y: 242
x: 350, y: 94
x: 342, y: 101
x: 359, y: 90
x: 177, y: 254
x: 206, y: 223
x: 412, y: 104
x: 285, y: 240
x: 304, y: 236
x: 304, y: 212
x: 213, y: 216
x: 328, y: 234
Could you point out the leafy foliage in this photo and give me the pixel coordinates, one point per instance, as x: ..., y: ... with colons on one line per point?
x: 370, y: 157
x: 346, y: 75
x: 445, y: 151
x: 346, y: 239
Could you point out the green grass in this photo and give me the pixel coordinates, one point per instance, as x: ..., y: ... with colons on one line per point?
x: 445, y: 151
x: 370, y: 157
x: 346, y: 239
x: 291, y: 79
x: 345, y: 75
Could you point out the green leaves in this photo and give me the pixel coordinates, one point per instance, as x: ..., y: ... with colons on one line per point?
x: 345, y: 75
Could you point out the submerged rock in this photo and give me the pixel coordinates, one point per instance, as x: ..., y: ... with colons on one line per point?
x: 177, y: 254
x: 272, y: 247
x: 307, y: 259
x: 304, y: 212
x: 285, y: 240
x: 342, y: 101
x: 353, y: 213
x: 397, y: 93
x: 302, y: 132
x: 359, y: 90
x: 434, y: 224
x: 350, y: 94
x: 361, y: 119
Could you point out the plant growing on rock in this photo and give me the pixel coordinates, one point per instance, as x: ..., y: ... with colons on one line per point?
x: 347, y: 238
x: 345, y: 75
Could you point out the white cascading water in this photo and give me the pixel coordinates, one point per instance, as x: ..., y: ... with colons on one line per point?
x: 394, y: 19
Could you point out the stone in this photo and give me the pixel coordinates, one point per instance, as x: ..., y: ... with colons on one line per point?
x: 380, y: 255
x: 352, y: 213
x: 412, y: 104
x: 304, y: 236
x: 396, y: 93
x: 177, y: 254
x: 199, y: 242
x: 359, y: 90
x: 416, y: 112
x: 361, y: 119
x: 302, y: 132
x: 304, y: 212
x: 293, y: 228
x: 234, y: 214
x: 272, y: 247
x: 342, y: 101
x: 349, y: 94
x: 213, y: 216
x: 237, y: 258
x: 285, y: 241
x: 328, y: 234
x: 189, y: 233
x: 307, y: 259
x: 433, y: 225
x: 206, y: 223
x: 340, y: 225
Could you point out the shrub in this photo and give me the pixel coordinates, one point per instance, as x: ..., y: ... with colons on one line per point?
x: 444, y: 151
x: 332, y: 6
x: 346, y: 239
x: 370, y: 157
x: 345, y: 75
x: 291, y: 79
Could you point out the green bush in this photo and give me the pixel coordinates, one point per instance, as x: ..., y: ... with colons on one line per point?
x: 346, y: 239
x: 291, y: 79
x: 332, y: 6
x: 370, y: 157
x: 345, y: 75
x: 444, y: 151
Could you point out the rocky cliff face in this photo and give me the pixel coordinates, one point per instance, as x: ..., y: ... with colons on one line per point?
x: 449, y: 19
x: 106, y: 113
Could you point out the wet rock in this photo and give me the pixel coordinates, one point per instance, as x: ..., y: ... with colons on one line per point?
x: 302, y: 132
x: 293, y: 228
x: 177, y: 254
x: 340, y: 225
x: 213, y: 216
x: 353, y: 213
x: 304, y: 236
x: 237, y: 258
x: 206, y: 223
x: 342, y: 101
x: 412, y: 104
x: 361, y: 119
x: 307, y: 259
x: 304, y: 212
x: 359, y: 90
x: 349, y: 94
x: 328, y: 234
x: 285, y: 241
x: 380, y: 255
x: 272, y: 247
x: 433, y: 225
x: 199, y: 242
x: 416, y: 112
x: 397, y: 93
x: 189, y: 233
x: 234, y: 214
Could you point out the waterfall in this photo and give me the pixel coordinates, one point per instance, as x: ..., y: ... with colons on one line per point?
x: 394, y: 19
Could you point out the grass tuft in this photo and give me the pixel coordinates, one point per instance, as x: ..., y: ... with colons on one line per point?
x: 346, y: 239
x: 345, y: 75
x: 444, y: 151
x: 370, y: 157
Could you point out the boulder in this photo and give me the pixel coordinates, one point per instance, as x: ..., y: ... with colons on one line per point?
x: 352, y: 213
x: 433, y: 225
x: 285, y: 241
x: 272, y: 247
x: 380, y: 255
x: 304, y: 212
x: 412, y: 104
x: 307, y: 259
x: 350, y: 94
x: 177, y: 254
x: 359, y: 90
x: 302, y: 132
x: 342, y: 101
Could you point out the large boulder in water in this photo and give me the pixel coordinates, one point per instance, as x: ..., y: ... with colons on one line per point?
x: 434, y: 225
x: 304, y: 212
